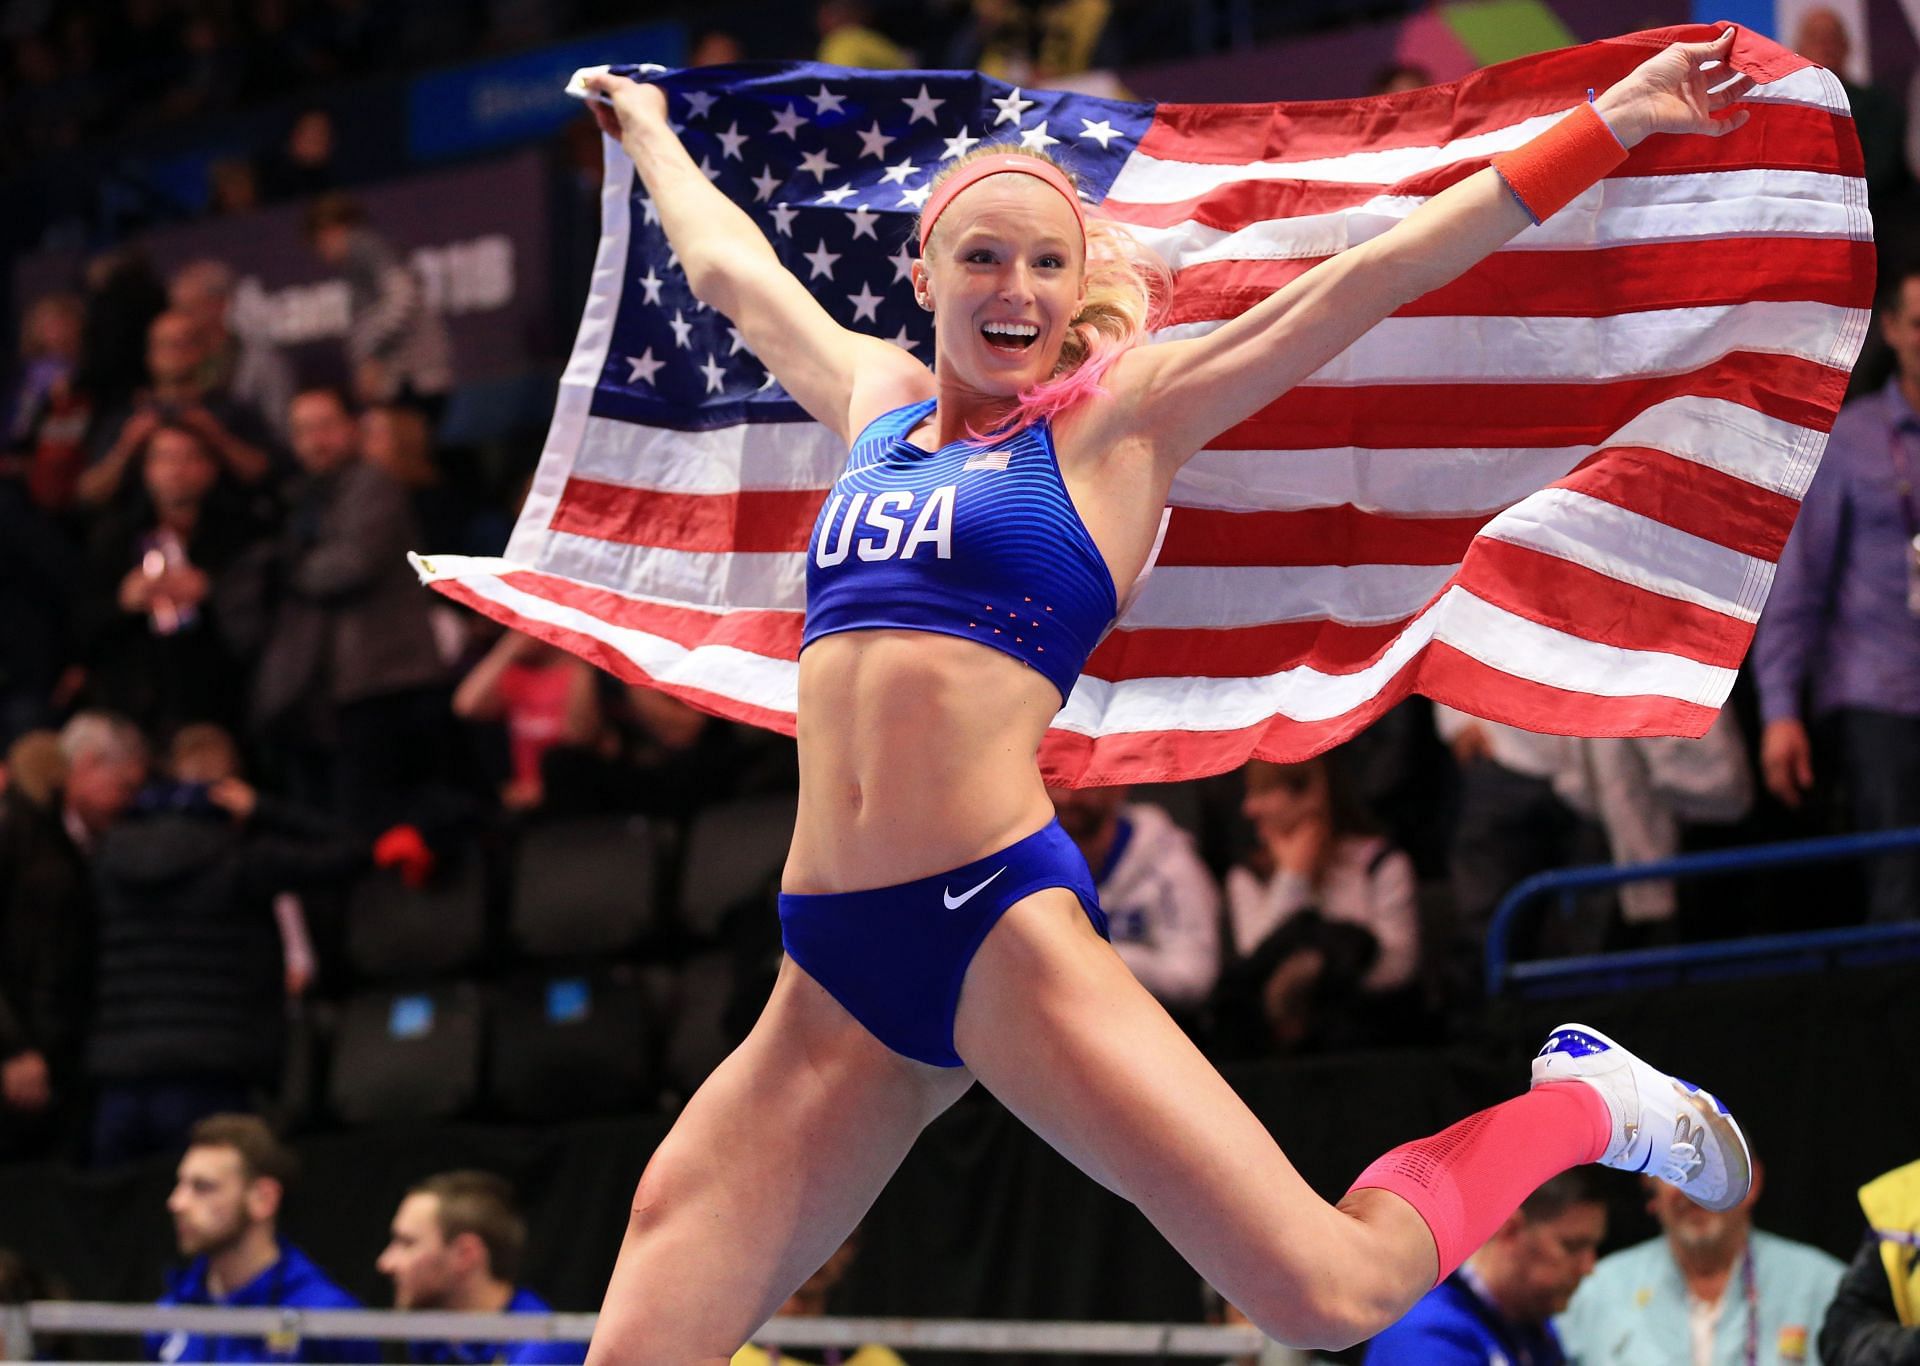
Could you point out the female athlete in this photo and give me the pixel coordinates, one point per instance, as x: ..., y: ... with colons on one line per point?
x: 939, y: 927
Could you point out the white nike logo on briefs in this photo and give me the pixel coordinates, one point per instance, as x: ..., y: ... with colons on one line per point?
x: 954, y: 903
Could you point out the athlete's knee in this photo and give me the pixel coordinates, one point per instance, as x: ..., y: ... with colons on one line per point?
x: 657, y: 1193
x: 1322, y: 1315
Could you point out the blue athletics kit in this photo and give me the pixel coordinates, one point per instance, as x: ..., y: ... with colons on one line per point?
x: 976, y: 540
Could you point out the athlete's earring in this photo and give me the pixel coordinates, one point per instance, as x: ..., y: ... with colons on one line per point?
x: 924, y: 301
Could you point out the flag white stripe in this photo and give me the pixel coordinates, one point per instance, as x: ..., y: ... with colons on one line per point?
x: 762, y: 456
x: 1665, y: 341
x: 1813, y: 86
x: 710, y: 579
x: 1464, y: 481
x: 738, y: 674
x: 1629, y: 211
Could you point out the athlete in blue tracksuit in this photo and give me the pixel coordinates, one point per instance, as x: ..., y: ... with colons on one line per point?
x: 291, y: 1282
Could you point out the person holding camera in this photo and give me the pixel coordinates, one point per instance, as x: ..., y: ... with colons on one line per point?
x: 177, y: 356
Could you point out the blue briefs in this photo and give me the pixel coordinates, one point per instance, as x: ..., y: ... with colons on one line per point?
x: 895, y: 957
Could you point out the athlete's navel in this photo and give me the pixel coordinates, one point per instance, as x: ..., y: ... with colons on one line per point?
x: 855, y: 797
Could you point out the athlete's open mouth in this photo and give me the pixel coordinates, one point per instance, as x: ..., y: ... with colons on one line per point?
x: 1009, y: 336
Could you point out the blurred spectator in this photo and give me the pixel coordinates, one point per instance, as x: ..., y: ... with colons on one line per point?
x: 1642, y: 788
x: 48, y: 831
x: 124, y: 296
x: 1496, y: 1309
x: 1396, y: 77
x: 544, y: 697
x: 1162, y: 905
x: 1512, y: 823
x: 810, y: 1302
x: 38, y: 575
x: 456, y: 1243
x: 1326, y: 931
x: 1711, y: 1289
x: 47, y: 431
x: 1842, y: 625
x: 233, y: 187
x: 245, y: 367
x: 47, y: 420
x: 302, y: 166
x: 452, y: 519
x: 21, y: 1282
x: 189, y: 974
x: 715, y: 47
x: 397, y: 345
x: 350, y: 683
x: 1874, y: 1320
x: 209, y: 69
x: 177, y: 360
x: 1535, y: 802
x: 847, y: 38
x: 175, y: 614
x: 1821, y: 36
x: 225, y: 1204
x: 1022, y: 41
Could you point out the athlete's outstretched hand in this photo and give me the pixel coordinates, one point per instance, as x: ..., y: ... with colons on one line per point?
x: 1686, y: 88
x: 635, y: 103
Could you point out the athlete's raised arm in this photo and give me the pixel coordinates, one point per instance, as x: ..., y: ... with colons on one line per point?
x: 831, y: 371
x: 1180, y: 395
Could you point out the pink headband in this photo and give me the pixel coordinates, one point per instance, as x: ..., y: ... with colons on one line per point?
x: 1004, y: 163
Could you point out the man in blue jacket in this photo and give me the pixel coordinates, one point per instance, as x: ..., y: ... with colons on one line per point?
x: 456, y: 1243
x: 1494, y: 1311
x: 225, y: 1207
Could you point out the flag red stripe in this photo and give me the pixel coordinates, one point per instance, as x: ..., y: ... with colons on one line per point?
x: 1342, y: 535
x: 750, y: 521
x: 1316, y: 416
x: 1778, y: 137
x: 1574, y: 284
x: 1704, y: 502
x: 1494, y: 97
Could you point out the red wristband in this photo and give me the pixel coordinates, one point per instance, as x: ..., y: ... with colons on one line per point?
x: 1550, y: 171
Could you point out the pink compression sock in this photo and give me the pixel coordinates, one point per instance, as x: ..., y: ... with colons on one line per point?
x: 1466, y: 1180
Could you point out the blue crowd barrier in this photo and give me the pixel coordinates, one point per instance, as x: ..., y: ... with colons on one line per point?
x: 1807, y: 951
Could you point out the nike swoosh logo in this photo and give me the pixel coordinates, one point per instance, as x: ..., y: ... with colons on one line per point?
x: 954, y: 903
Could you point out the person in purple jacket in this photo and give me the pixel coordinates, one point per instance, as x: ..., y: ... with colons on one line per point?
x: 1840, y: 639
x: 226, y: 1207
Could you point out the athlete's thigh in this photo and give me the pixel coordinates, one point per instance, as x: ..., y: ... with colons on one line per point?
x: 1055, y: 1026
x: 775, y: 1159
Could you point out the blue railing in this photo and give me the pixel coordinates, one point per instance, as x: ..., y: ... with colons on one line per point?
x: 1806, y: 951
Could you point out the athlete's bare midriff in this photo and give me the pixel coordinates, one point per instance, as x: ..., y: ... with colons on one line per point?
x: 919, y: 751
x: 917, y: 754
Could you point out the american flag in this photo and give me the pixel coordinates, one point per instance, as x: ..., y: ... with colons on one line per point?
x: 1550, y: 494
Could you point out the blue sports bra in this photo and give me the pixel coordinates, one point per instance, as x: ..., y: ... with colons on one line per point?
x: 977, y: 541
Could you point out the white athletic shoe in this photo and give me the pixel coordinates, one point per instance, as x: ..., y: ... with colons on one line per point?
x: 1662, y: 1125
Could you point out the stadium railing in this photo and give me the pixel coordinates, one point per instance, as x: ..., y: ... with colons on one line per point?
x: 22, y: 1326
x: 1754, y: 955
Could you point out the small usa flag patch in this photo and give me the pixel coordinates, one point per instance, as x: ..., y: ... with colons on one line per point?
x: 988, y: 460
